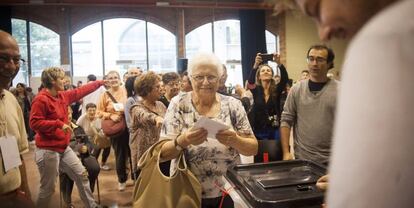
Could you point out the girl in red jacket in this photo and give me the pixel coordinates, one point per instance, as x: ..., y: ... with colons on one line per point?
x: 49, y: 119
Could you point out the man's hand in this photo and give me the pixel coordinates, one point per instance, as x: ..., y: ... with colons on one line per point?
x: 66, y: 128
x: 287, y: 156
x: 239, y: 90
x: 323, y: 183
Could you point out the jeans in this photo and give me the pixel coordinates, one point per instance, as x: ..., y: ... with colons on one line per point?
x: 50, y: 163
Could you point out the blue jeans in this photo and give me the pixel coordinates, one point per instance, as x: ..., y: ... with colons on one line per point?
x: 267, y: 134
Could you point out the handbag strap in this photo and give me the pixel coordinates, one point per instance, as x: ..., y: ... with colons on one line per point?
x: 153, y: 151
x: 111, y: 96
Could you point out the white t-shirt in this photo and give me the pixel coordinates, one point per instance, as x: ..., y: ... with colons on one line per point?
x: 373, y: 150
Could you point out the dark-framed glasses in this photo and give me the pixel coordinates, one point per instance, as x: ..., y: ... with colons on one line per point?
x: 319, y: 60
x: 200, y: 78
x: 17, y: 60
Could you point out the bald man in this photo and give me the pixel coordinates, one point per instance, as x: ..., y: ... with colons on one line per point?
x: 14, y: 191
x: 134, y: 71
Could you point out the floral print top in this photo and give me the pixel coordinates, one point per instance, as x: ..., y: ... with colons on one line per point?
x: 209, y: 160
x: 143, y: 131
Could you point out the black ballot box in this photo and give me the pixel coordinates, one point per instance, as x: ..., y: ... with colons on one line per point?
x: 281, y: 184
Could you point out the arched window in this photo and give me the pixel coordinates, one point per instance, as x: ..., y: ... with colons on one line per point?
x: 225, y: 44
x: 120, y: 43
x: 44, y: 48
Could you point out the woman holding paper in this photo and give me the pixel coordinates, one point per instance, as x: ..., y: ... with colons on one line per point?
x: 207, y: 156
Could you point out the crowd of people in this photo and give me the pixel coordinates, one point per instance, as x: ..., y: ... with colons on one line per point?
x: 66, y: 121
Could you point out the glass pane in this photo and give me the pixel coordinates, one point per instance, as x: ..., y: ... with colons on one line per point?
x: 87, y: 51
x: 44, y: 48
x: 124, y: 44
x: 227, y: 47
x: 162, y: 49
x: 272, y: 47
x: 199, y: 40
x: 271, y: 42
x: 19, y: 32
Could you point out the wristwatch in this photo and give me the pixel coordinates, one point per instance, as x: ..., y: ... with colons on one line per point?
x: 177, y: 146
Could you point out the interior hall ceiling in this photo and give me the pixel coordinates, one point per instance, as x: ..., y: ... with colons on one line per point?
x: 236, y: 4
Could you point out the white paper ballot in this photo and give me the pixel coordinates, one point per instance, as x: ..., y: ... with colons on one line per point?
x: 10, y: 152
x: 211, y: 126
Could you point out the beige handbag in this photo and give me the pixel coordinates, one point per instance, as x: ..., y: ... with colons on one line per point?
x: 153, y: 189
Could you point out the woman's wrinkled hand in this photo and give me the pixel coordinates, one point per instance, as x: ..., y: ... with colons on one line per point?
x: 227, y: 137
x: 194, y: 136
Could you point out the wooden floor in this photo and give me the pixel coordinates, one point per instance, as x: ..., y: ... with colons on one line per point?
x: 108, y: 185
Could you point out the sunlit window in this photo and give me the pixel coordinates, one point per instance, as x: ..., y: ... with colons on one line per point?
x: 161, y: 49
x: 19, y: 32
x: 199, y: 40
x: 44, y: 48
x: 226, y: 46
x: 121, y: 45
x: 87, y: 51
x: 124, y: 44
x: 272, y: 46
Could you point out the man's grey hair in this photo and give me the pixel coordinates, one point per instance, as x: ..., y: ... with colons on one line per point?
x: 205, y: 59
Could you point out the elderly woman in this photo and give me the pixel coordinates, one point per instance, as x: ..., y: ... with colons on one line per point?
x: 108, y: 110
x: 146, y: 116
x: 207, y: 158
x: 49, y: 119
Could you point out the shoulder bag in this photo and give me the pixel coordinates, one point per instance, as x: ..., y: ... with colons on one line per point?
x: 154, y: 189
x: 111, y: 128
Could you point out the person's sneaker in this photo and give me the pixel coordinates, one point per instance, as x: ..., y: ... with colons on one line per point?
x: 121, y: 186
x: 105, y: 167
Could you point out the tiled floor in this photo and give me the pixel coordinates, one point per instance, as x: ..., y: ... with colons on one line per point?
x: 108, y: 185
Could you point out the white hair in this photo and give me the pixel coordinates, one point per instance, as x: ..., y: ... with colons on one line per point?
x: 203, y: 59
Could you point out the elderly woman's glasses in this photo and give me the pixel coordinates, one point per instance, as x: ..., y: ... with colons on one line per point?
x: 17, y: 60
x: 210, y: 78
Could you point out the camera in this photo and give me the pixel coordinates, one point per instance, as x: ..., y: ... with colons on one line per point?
x: 266, y: 57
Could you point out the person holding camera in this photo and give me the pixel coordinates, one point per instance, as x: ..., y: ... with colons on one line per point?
x: 83, y: 148
x: 265, y: 113
x: 49, y: 119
